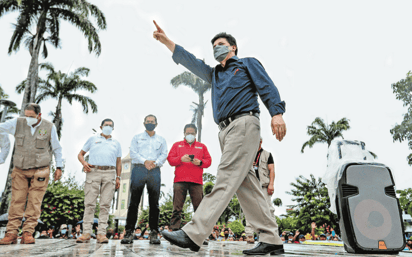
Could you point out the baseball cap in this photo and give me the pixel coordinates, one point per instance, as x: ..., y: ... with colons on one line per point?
x: 301, y: 236
x: 322, y: 235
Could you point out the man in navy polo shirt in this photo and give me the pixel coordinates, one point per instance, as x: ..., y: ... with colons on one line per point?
x: 236, y: 83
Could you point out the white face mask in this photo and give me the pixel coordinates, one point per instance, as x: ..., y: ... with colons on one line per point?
x: 31, y: 121
x: 107, y: 130
x: 190, y: 138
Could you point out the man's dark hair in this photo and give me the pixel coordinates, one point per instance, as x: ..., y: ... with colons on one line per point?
x: 33, y: 107
x: 107, y: 120
x: 150, y: 115
x: 230, y: 39
x: 190, y: 126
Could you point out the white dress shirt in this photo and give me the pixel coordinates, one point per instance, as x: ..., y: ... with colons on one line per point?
x: 145, y: 147
x: 10, y: 128
x: 103, y: 152
x: 5, y: 147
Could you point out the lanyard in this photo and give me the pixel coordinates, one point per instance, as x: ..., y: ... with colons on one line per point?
x: 257, y: 159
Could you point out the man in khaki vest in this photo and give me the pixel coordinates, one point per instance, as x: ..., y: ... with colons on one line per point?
x: 35, y: 142
x: 264, y: 166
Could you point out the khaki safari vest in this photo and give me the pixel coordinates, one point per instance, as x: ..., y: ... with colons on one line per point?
x: 263, y: 168
x: 32, y: 151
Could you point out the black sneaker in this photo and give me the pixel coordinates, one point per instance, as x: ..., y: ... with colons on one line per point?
x: 154, y: 238
x: 128, y: 238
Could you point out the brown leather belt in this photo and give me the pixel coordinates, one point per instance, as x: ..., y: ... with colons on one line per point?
x: 105, y: 167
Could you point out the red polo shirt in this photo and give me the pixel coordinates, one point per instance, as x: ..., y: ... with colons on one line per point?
x: 187, y: 171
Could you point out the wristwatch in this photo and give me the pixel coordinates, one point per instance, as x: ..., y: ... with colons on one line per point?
x: 119, y: 177
x: 200, y: 163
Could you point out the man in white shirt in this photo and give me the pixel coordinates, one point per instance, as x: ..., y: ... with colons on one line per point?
x: 36, y: 141
x: 102, y: 173
x: 5, y: 147
x: 148, y: 152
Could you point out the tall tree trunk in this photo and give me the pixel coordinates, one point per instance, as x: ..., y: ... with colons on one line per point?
x: 199, y: 117
x: 28, y: 97
x: 32, y: 76
x: 58, y: 117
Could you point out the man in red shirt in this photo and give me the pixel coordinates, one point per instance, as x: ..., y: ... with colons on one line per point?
x: 190, y: 158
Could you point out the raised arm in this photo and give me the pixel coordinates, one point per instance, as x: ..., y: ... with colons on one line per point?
x: 183, y: 57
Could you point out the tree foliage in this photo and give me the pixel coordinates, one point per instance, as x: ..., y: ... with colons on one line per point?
x: 405, y: 200
x: 403, y: 132
x: 311, y: 204
x: 62, y: 86
x: 63, y: 202
x: 320, y: 132
x: 237, y: 227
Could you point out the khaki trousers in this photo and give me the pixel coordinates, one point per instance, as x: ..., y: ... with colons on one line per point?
x: 27, y: 185
x: 239, y: 143
x: 249, y: 229
x: 103, y: 183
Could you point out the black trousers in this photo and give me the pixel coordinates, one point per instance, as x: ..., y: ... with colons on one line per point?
x: 139, y: 178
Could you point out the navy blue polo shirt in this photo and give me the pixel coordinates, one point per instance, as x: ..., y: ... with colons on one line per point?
x: 236, y: 86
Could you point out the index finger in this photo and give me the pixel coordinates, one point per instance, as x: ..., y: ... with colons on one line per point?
x: 157, y: 26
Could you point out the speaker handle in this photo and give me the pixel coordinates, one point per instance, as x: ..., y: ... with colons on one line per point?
x: 337, y: 207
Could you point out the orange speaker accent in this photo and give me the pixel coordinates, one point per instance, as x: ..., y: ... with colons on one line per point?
x: 382, y: 245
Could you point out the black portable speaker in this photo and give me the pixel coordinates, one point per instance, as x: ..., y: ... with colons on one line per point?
x: 369, y: 213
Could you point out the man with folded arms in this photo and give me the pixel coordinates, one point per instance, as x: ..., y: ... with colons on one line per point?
x: 236, y: 83
x: 102, y: 177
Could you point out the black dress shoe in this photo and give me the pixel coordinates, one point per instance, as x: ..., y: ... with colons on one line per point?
x: 264, y: 248
x: 179, y: 238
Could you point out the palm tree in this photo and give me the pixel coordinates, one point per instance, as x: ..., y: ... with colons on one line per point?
x: 11, y: 109
x: 323, y: 133
x: 200, y: 87
x: 62, y: 86
x: 39, y: 22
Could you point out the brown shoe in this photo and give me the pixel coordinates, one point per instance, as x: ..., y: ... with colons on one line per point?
x: 102, y: 239
x: 9, y: 239
x: 250, y: 240
x: 85, y: 238
x: 27, y: 238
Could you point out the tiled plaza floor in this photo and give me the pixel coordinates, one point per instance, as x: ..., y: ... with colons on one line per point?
x: 68, y: 248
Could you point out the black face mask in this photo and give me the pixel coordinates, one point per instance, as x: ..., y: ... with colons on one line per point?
x: 150, y: 126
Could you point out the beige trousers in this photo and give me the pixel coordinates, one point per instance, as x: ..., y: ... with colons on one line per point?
x: 27, y: 185
x: 249, y: 229
x: 103, y: 183
x: 239, y: 143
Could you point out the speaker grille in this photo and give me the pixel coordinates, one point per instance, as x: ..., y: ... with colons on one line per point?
x: 349, y: 190
x: 390, y: 191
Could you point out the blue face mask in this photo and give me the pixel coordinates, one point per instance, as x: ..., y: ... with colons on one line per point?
x: 220, y: 52
x: 146, y: 237
x: 64, y: 232
x: 138, y: 235
x: 150, y: 126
